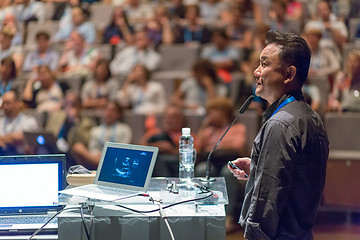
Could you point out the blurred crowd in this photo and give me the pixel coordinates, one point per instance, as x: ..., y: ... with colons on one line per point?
x: 121, y: 70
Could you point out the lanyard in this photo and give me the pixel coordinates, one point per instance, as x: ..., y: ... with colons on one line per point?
x: 285, y: 102
x: 6, y: 89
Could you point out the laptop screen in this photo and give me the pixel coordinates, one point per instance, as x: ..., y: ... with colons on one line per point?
x: 30, y: 183
x: 126, y: 166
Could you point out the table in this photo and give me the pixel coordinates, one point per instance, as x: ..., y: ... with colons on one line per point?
x: 188, y: 221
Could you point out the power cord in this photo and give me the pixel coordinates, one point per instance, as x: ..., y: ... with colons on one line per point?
x: 56, y: 214
x: 167, y: 206
x: 83, y: 222
x: 163, y: 216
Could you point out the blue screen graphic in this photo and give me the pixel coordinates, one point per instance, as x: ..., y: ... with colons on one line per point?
x: 40, y: 139
x: 125, y: 166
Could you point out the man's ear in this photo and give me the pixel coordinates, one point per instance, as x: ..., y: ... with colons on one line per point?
x: 290, y: 74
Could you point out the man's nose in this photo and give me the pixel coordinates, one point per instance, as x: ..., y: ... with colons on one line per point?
x: 257, y: 72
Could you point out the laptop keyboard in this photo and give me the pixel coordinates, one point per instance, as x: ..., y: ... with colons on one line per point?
x: 26, y: 220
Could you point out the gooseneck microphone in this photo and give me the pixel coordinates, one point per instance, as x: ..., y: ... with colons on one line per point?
x: 208, y: 163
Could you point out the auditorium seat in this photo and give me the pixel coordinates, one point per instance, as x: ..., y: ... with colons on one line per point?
x: 40, y: 117
x: 100, y: 15
x: 178, y: 57
x: 136, y: 123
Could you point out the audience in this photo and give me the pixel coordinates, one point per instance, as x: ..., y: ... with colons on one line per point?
x: 167, y: 140
x: 30, y: 10
x: 111, y: 130
x: 141, y: 94
x: 80, y: 23
x: 78, y: 58
x: 7, y: 49
x: 192, y: 29
x: 96, y: 92
x: 204, y: 85
x: 220, y: 52
x: 42, y: 92
x: 119, y: 30
x: 334, y: 30
x: 141, y: 52
x: 240, y: 34
x: 159, y: 28
x: 69, y: 126
x: 345, y: 93
x: 280, y: 22
x: 220, y: 114
x: 12, y: 125
x: 210, y: 10
x: 43, y: 55
x: 8, y: 76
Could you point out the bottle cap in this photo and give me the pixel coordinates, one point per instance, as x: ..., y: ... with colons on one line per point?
x: 185, y: 131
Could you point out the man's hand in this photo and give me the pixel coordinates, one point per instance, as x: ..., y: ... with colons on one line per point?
x: 242, y: 163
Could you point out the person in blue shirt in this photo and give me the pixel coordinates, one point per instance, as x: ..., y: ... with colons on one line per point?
x: 79, y: 23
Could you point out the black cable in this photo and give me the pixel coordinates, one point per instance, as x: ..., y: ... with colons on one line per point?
x: 83, y: 221
x: 91, y: 208
x: 168, y: 206
x: 56, y: 214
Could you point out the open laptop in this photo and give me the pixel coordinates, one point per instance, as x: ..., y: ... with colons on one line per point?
x: 29, y: 190
x: 124, y: 170
x: 41, y: 141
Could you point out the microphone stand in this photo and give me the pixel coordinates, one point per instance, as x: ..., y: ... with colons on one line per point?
x: 208, y: 163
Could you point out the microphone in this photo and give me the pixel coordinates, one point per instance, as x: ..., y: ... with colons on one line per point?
x: 208, y: 163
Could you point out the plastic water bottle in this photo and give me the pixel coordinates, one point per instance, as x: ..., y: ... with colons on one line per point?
x: 186, y: 156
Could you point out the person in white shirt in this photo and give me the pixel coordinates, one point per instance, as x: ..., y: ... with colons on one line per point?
x: 111, y: 130
x: 42, y: 92
x: 13, y: 124
x: 140, y: 53
x: 31, y: 10
x: 141, y: 94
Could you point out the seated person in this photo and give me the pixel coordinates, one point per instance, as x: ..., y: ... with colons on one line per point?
x: 119, y: 29
x: 220, y: 114
x: 159, y: 27
x: 42, y: 92
x: 8, y: 76
x: 31, y: 10
x: 43, y: 55
x: 220, y: 52
x: 10, y: 22
x: 192, y: 30
x: 78, y: 58
x: 345, y: 92
x: 7, y: 49
x: 80, y: 24
x: 141, y: 94
x: 140, y: 52
x: 96, y: 92
x: 167, y: 164
x: 13, y: 124
x: 111, y: 130
x: 69, y: 126
x: 202, y: 86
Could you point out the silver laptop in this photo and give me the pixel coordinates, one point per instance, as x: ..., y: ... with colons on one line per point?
x: 124, y: 170
x: 29, y: 190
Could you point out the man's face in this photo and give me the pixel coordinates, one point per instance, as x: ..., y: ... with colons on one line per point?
x: 173, y: 119
x: 43, y: 43
x: 270, y: 74
x: 111, y: 114
x: 141, y: 40
x: 323, y: 10
x: 10, y: 105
